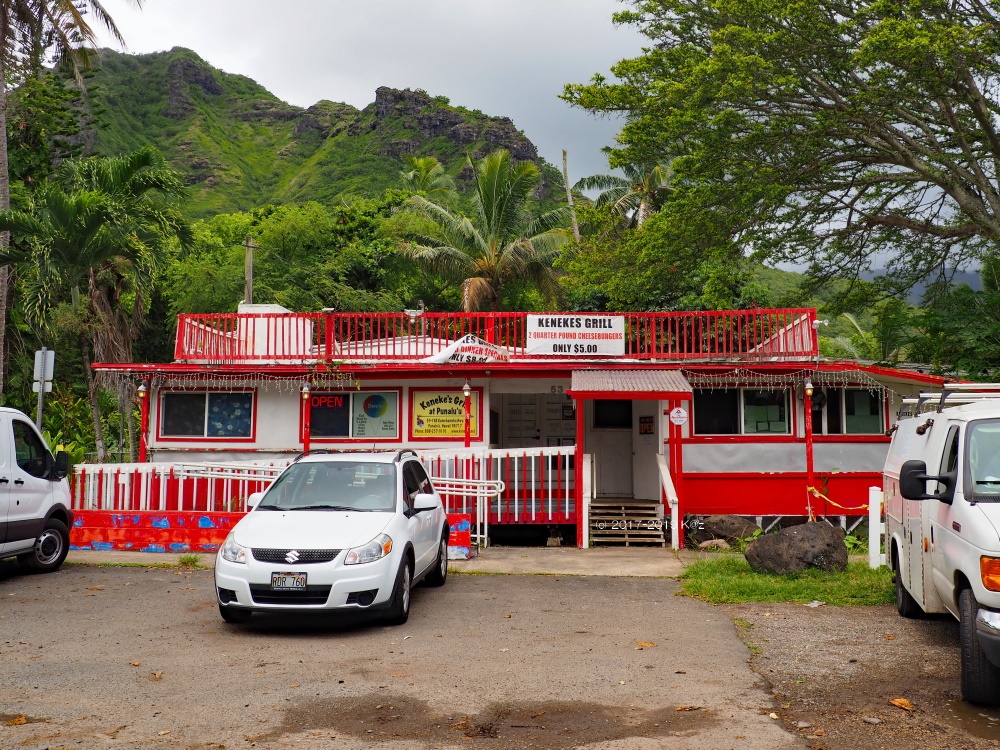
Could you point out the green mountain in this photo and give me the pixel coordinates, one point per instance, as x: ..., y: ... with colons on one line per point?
x: 238, y: 146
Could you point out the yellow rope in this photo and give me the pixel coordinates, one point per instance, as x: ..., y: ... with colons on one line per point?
x: 819, y: 494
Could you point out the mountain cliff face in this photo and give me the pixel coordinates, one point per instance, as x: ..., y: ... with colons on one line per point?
x: 238, y: 146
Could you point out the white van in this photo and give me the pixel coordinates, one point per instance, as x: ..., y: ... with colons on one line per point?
x: 942, y: 515
x: 35, y: 515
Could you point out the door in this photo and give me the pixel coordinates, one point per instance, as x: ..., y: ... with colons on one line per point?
x: 5, y: 477
x: 645, y: 446
x: 423, y: 529
x: 611, y: 443
x: 29, y: 490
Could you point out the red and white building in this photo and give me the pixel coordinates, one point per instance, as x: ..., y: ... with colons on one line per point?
x: 692, y: 413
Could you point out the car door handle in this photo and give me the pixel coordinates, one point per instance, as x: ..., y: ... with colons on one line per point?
x: 4, y: 480
x: 18, y: 481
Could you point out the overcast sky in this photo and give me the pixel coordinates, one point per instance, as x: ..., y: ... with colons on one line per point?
x: 503, y: 57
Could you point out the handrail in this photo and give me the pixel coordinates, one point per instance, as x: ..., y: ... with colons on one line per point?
x: 670, y: 492
x: 783, y: 333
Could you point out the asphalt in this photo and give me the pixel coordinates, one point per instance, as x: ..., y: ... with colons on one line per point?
x: 654, y: 562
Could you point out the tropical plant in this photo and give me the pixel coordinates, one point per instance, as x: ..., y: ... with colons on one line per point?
x: 886, y: 340
x: 29, y: 29
x: 501, y: 245
x: 425, y: 174
x: 635, y: 196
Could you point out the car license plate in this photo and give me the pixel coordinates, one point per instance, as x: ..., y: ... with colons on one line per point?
x: 288, y: 580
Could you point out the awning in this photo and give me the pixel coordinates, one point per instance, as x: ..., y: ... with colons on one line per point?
x: 630, y: 384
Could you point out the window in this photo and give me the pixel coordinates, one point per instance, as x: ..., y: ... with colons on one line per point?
x: 983, y: 460
x: 207, y: 415
x: 346, y: 415
x: 847, y: 411
x: 29, y: 452
x: 741, y: 411
x: 613, y: 414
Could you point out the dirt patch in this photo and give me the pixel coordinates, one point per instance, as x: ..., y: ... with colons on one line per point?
x: 552, y: 725
x: 834, y: 670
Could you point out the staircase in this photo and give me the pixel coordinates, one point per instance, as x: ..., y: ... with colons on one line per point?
x: 624, y: 522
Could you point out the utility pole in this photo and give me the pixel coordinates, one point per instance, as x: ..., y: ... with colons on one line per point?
x: 248, y: 271
x: 569, y: 198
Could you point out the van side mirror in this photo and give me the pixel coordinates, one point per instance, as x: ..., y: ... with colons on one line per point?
x: 61, y: 466
x: 913, y: 478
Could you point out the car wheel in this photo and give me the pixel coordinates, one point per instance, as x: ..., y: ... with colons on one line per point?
x: 235, y: 616
x: 906, y: 605
x: 50, y: 548
x: 980, y: 677
x: 399, y: 607
x: 439, y: 574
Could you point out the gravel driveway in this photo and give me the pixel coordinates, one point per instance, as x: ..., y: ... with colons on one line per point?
x: 101, y: 657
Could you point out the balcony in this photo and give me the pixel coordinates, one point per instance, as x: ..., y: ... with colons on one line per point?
x: 320, y: 338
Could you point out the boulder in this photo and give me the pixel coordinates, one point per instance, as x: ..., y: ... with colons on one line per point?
x: 730, y: 528
x: 792, y: 550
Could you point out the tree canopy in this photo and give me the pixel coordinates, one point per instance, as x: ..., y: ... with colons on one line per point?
x: 846, y: 134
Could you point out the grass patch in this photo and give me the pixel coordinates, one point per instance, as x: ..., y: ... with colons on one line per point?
x: 729, y: 579
x: 190, y: 561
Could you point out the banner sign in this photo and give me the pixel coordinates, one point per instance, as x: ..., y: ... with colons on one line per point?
x: 469, y: 349
x: 375, y: 415
x: 576, y: 335
x: 441, y: 414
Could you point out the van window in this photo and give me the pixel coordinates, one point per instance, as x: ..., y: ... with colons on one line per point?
x: 949, y: 466
x: 984, y: 459
x: 29, y: 451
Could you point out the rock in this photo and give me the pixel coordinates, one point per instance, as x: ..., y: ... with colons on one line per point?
x: 803, y: 724
x: 872, y: 720
x: 730, y: 528
x: 792, y: 550
x: 714, y: 544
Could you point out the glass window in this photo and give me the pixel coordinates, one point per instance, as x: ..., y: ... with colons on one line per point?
x: 716, y: 412
x: 765, y: 411
x: 613, y: 414
x: 334, y: 485
x: 29, y: 451
x: 209, y: 414
x: 984, y: 458
x: 862, y: 412
x: 362, y: 414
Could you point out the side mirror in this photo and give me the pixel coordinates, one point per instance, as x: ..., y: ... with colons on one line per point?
x: 254, y: 500
x: 913, y: 478
x: 61, y: 466
x: 425, y: 501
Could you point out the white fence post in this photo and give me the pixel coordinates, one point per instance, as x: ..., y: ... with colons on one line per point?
x: 876, y: 528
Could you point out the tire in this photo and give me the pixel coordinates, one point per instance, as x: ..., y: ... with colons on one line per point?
x: 235, y: 616
x: 49, y: 550
x: 906, y: 605
x: 439, y: 574
x: 980, y: 677
x: 399, y: 606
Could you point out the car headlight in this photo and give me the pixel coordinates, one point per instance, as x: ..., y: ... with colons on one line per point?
x: 376, y: 549
x: 232, y: 551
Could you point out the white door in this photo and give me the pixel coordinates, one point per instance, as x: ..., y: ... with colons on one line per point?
x: 610, y: 442
x: 645, y: 446
x: 5, y: 477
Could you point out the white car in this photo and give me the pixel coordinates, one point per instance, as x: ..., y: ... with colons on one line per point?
x: 336, y: 531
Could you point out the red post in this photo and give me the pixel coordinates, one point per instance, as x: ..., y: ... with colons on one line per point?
x: 306, y: 417
x: 807, y: 392
x: 578, y: 471
x: 468, y: 414
x: 143, y: 422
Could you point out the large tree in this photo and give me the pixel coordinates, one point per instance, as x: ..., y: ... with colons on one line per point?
x: 502, y: 244
x: 849, y: 133
x: 30, y: 30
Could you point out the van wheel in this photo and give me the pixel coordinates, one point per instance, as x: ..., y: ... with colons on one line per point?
x: 50, y: 548
x: 980, y: 677
x: 906, y: 605
x: 399, y: 607
x: 439, y: 574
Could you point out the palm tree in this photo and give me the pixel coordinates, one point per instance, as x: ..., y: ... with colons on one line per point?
x: 95, y: 238
x: 636, y: 196
x: 29, y: 28
x: 426, y: 175
x: 501, y: 243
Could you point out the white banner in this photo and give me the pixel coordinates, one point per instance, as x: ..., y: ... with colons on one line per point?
x: 469, y: 348
x: 576, y: 335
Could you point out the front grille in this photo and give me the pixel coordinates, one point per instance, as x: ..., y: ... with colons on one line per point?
x: 306, y: 556
x: 299, y: 597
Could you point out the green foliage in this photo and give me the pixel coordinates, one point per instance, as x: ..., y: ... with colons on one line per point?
x: 729, y: 579
x: 959, y: 331
x: 834, y: 133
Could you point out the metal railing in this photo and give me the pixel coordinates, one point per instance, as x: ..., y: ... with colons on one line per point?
x: 235, y: 338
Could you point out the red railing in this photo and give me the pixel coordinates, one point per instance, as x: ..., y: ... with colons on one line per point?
x: 231, y: 338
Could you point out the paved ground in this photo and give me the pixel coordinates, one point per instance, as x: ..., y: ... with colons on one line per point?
x: 96, y: 657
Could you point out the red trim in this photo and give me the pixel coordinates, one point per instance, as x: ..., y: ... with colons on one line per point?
x: 144, y: 396
x: 578, y: 467
x: 474, y: 437
x: 203, y: 438
x: 851, y: 439
x: 756, y: 437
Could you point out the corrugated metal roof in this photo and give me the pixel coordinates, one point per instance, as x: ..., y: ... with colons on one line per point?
x: 630, y: 381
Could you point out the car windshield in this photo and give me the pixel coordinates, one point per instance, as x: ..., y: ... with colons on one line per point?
x: 984, y: 459
x: 333, y: 485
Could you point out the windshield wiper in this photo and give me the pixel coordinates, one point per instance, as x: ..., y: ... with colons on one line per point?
x: 988, y: 481
x: 320, y: 506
